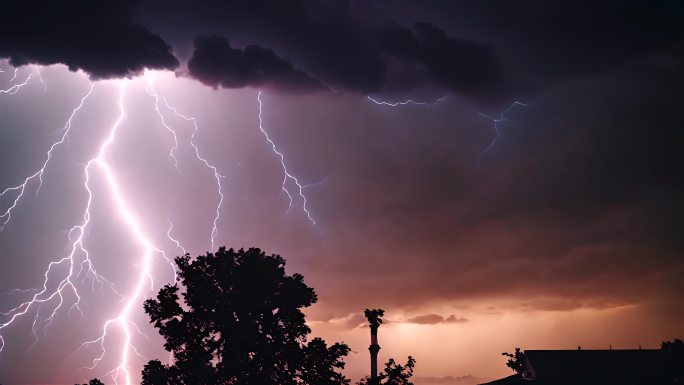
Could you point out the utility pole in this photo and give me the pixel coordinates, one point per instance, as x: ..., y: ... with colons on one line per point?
x: 374, y: 322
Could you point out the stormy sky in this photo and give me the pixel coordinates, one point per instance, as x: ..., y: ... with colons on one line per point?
x: 558, y: 225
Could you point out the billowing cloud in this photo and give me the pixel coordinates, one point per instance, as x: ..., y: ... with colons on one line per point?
x: 216, y: 64
x: 348, y: 47
x: 100, y: 38
x: 405, y: 59
x: 397, y: 51
x: 456, y: 64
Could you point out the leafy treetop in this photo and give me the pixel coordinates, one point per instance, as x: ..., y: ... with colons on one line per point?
x: 374, y: 317
x: 239, y: 321
x: 516, y: 361
x: 394, y: 374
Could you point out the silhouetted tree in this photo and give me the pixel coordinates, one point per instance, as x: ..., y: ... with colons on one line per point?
x: 320, y: 362
x: 94, y: 381
x: 516, y: 361
x: 239, y: 322
x: 394, y: 374
x: 374, y: 317
x: 674, y: 345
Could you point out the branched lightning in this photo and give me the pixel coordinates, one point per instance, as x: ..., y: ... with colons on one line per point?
x: 68, y: 278
x: 14, y: 88
x: 405, y: 102
x: 122, y: 320
x: 80, y: 266
x: 21, y: 188
x: 214, y: 170
x: 497, y: 130
x: 152, y: 92
x: 286, y: 173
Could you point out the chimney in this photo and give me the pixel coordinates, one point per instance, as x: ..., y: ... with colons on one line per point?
x: 374, y: 322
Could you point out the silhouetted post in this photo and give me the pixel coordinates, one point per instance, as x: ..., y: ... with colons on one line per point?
x: 374, y: 322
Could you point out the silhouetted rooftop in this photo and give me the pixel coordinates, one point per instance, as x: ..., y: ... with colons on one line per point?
x: 552, y: 367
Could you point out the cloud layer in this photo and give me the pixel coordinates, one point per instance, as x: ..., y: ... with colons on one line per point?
x: 489, y: 52
x: 100, y: 38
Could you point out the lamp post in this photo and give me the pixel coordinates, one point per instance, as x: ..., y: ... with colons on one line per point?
x: 374, y: 322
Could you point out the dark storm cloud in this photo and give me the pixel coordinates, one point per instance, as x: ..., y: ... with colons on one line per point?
x: 348, y: 46
x: 424, y: 55
x: 216, y: 64
x: 540, y: 42
x: 490, y: 51
x: 347, y: 53
x: 456, y: 64
x: 99, y: 37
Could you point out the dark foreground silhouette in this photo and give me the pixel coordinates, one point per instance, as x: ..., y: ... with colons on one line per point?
x: 235, y: 317
x: 239, y: 320
x: 663, y: 366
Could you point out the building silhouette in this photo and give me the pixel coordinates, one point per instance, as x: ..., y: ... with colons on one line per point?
x: 599, y: 367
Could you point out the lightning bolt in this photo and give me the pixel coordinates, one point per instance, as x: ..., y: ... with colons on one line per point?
x: 144, y: 281
x: 174, y: 240
x: 286, y: 174
x: 21, y: 188
x: 207, y: 164
x: 152, y: 92
x: 80, y: 266
x: 78, y: 269
x: 66, y: 277
x: 497, y: 130
x: 406, y: 102
x: 16, y: 71
x: 13, y: 89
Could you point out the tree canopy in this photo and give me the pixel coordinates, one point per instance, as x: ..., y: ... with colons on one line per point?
x: 94, y: 381
x: 674, y: 345
x: 235, y: 317
x: 394, y: 374
x: 374, y: 317
x: 516, y: 361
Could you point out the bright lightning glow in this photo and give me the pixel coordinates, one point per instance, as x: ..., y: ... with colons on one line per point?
x: 497, y: 130
x: 65, y: 277
x: 78, y: 261
x: 217, y: 176
x: 144, y: 277
x: 405, y: 102
x: 81, y: 267
x: 286, y: 173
